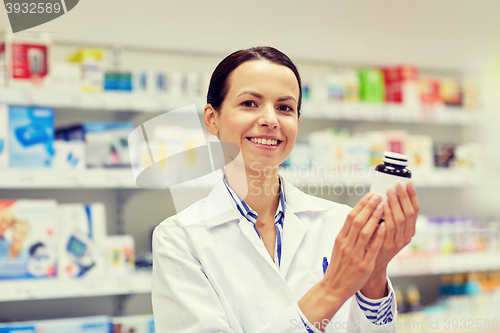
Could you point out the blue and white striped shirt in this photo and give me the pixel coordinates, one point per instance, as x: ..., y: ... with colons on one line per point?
x: 378, y: 311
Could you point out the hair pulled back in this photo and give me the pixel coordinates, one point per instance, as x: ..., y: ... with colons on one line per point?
x: 219, y: 86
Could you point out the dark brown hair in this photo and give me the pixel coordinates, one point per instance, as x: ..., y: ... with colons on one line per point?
x: 218, y: 88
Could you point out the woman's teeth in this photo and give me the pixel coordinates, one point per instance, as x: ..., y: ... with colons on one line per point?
x: 268, y: 142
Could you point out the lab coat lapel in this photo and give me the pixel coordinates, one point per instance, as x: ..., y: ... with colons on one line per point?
x: 249, y: 232
x: 221, y: 209
x: 293, y: 233
x: 294, y: 229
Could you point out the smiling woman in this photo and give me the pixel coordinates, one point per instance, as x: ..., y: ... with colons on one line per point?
x: 262, y: 265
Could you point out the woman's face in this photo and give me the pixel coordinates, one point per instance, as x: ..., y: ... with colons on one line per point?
x: 259, y: 113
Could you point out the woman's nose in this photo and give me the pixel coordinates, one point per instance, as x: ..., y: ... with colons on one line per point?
x: 268, y: 117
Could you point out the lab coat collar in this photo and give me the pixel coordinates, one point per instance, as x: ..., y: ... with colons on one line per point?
x: 220, y: 208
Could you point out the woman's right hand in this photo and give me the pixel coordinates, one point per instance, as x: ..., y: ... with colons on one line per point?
x: 356, y: 248
x: 353, y: 260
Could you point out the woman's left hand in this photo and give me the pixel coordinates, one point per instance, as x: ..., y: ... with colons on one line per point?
x: 400, y: 213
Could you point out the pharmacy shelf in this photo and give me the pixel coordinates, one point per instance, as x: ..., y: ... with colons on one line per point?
x: 140, y: 282
x: 32, y: 289
x: 411, y: 265
x: 390, y: 113
x: 87, y: 178
x: 126, y: 101
x: 319, y: 177
x: 123, y: 178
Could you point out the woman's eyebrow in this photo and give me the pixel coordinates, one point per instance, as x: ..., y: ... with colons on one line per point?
x: 285, y: 98
x: 251, y: 93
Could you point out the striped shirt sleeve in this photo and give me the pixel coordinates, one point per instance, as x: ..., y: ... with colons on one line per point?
x: 378, y: 311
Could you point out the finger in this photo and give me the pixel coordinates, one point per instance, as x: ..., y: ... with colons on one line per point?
x: 357, y: 208
x: 361, y: 219
x: 412, y: 193
x: 397, y: 214
x: 390, y: 226
x: 368, y: 230
x: 374, y: 248
x: 409, y: 213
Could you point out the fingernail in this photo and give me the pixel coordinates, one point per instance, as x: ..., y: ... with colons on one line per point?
x: 411, y: 186
x: 369, y: 195
x: 399, y: 187
x: 391, y: 192
x: 380, y: 207
x: 375, y: 198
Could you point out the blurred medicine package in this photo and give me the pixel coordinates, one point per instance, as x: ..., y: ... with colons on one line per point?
x: 97, y: 324
x: 4, y: 134
x: 28, y: 239
x: 91, y: 62
x: 136, y: 324
x: 81, y: 232
x: 120, y: 255
x: 106, y: 143
x: 25, y: 59
x: 31, y: 136
x: 401, y: 85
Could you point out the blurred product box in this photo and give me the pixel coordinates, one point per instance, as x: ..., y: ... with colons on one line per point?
x: 191, y: 84
x: 395, y: 141
x: 118, y: 81
x: 119, y: 251
x: 28, y: 239
x: 401, y: 85
x: 31, y: 136
x: 444, y: 155
x: 429, y: 93
x: 420, y: 152
x: 336, y: 88
x: 468, y: 156
x: 25, y: 59
x: 91, y: 68
x: 450, y: 93
x: 65, y: 76
x: 69, y: 155
x: 372, y: 88
x: 328, y: 147
x: 81, y: 232
x: 351, y: 80
x: 98, y: 324
x: 357, y: 153
x: 470, y: 99
x: 4, y: 134
x: 133, y: 324
x: 299, y: 157
x: 106, y: 144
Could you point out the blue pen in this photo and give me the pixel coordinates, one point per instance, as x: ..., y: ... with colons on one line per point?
x: 325, y: 264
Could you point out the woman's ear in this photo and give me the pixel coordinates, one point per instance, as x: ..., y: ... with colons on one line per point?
x: 209, y: 115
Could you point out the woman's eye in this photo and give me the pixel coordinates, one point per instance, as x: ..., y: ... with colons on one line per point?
x: 248, y: 104
x: 285, y: 108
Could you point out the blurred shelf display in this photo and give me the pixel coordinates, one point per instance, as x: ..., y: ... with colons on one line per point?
x: 443, y: 264
x: 142, y: 102
x: 389, y: 113
x: 140, y: 282
x: 436, y: 178
x: 91, y: 178
x: 123, y: 178
x: 18, y: 290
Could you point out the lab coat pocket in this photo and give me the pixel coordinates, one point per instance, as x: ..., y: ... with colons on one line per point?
x: 315, y: 276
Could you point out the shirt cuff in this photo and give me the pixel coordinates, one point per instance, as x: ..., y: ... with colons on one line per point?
x: 309, y: 326
x: 377, y: 311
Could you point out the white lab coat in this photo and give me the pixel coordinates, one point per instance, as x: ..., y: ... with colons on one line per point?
x: 217, y: 276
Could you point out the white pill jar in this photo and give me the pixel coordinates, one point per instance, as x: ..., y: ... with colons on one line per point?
x: 387, y: 175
